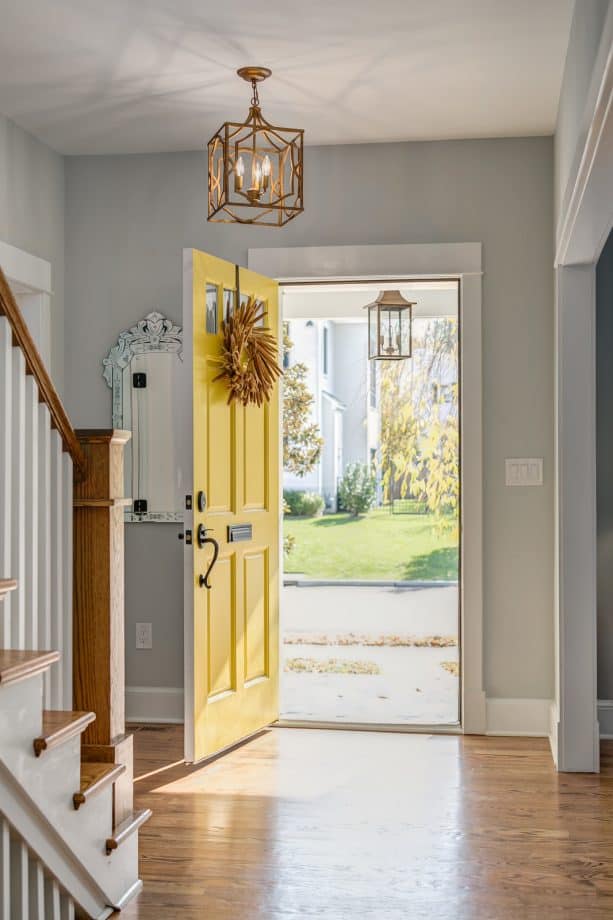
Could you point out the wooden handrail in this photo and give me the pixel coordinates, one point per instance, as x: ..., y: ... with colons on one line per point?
x: 34, y: 365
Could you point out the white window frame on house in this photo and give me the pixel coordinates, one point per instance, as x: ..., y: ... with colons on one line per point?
x: 422, y: 261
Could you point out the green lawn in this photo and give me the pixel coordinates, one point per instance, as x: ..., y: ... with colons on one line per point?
x: 402, y: 547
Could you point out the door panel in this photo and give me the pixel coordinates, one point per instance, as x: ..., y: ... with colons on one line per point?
x: 256, y: 460
x: 221, y: 641
x: 220, y: 470
x: 236, y: 463
x: 256, y: 614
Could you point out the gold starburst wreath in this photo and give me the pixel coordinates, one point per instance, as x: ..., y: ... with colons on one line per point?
x: 248, y: 356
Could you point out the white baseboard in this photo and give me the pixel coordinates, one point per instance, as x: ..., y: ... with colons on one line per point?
x: 154, y: 704
x: 518, y: 717
x: 528, y: 717
x: 605, y: 718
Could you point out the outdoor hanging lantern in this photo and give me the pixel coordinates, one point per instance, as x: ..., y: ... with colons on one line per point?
x: 255, y: 169
x: 390, y: 318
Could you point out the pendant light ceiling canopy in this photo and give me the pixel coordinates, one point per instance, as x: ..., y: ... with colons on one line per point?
x: 255, y: 168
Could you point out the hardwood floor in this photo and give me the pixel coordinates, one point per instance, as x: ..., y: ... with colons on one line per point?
x: 352, y: 825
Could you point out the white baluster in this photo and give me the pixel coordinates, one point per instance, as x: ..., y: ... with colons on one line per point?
x: 57, y: 566
x: 43, y: 537
x: 66, y: 907
x: 5, y: 870
x: 6, y: 427
x: 19, y: 878
x: 31, y: 515
x: 52, y: 899
x: 67, y: 562
x: 36, y: 889
x: 18, y: 500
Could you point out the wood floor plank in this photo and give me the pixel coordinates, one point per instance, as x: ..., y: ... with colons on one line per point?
x: 365, y: 826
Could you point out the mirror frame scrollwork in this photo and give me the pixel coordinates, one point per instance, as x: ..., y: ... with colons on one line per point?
x: 154, y: 333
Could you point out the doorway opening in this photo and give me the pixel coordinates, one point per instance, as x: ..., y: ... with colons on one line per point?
x: 370, y: 603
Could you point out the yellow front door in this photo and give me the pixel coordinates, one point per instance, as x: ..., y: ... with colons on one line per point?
x: 235, y: 621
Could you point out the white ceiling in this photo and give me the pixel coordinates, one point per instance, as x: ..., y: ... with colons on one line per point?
x: 152, y: 75
x: 346, y: 302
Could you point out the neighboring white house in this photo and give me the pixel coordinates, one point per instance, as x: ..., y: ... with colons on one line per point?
x: 343, y: 383
x: 345, y: 390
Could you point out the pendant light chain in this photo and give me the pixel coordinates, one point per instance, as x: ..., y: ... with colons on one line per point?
x: 255, y: 98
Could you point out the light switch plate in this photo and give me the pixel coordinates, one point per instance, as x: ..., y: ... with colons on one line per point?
x: 144, y: 635
x: 524, y: 471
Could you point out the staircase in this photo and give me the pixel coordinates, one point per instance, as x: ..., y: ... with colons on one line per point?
x: 58, y: 845
x: 63, y: 853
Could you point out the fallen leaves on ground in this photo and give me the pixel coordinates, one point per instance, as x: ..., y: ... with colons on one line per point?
x: 330, y: 666
x: 386, y: 640
x: 452, y: 666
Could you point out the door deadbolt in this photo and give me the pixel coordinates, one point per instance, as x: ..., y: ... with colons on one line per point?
x: 201, y: 501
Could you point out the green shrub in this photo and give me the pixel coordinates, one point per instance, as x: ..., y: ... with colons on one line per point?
x: 302, y: 504
x: 357, y: 490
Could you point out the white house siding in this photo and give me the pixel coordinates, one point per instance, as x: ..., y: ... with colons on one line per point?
x: 351, y: 387
x: 340, y: 406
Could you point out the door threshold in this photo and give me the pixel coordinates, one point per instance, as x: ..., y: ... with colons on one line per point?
x: 453, y: 728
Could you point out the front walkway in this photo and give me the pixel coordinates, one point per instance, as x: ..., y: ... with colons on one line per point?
x: 346, y: 657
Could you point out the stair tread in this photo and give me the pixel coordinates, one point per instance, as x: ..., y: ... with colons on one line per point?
x: 127, y: 828
x: 94, y: 777
x: 59, y: 725
x: 17, y: 664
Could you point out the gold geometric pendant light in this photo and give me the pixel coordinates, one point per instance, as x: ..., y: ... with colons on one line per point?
x: 255, y: 168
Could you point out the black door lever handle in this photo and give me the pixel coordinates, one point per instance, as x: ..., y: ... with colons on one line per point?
x: 203, y: 580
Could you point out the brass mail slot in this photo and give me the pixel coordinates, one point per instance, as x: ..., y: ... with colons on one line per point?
x: 237, y: 533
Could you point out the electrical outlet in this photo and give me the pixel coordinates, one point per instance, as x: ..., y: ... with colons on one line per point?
x: 144, y: 635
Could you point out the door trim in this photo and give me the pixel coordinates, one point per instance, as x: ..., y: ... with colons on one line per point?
x: 425, y: 261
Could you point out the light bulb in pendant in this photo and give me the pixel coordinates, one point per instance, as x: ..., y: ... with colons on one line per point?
x: 239, y: 172
x: 266, y: 171
x: 256, y: 176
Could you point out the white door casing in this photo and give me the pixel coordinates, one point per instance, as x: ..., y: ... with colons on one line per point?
x: 423, y: 261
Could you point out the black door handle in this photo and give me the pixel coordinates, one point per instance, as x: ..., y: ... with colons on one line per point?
x: 203, y: 580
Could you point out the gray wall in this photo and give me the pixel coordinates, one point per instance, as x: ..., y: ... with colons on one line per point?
x: 583, y: 43
x: 604, y: 464
x: 32, y: 217
x: 128, y: 218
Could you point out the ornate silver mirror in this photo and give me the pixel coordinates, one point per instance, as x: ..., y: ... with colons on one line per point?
x: 143, y: 370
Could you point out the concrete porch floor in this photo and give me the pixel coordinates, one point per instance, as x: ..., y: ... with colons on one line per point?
x: 411, y: 687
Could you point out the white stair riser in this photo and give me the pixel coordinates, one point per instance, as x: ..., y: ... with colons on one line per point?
x: 55, y: 776
x: 21, y: 715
